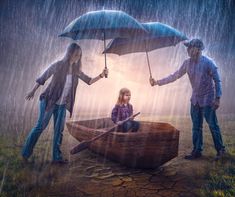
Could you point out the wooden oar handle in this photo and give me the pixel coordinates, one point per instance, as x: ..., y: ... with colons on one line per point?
x: 135, y: 114
x: 121, y: 122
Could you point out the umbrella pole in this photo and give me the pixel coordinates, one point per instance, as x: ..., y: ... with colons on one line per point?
x: 150, y: 72
x: 105, y: 53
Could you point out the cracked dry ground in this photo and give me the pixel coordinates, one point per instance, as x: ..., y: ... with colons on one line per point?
x: 90, y: 175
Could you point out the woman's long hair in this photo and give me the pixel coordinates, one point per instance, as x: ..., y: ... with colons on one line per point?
x: 122, y: 92
x: 73, y: 48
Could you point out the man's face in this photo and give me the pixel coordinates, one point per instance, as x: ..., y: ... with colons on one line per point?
x: 193, y: 52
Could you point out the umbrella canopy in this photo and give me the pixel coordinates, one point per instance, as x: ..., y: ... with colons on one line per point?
x: 160, y: 35
x: 103, y: 24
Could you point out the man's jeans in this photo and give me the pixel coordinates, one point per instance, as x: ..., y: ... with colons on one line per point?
x: 59, y: 113
x: 197, y: 115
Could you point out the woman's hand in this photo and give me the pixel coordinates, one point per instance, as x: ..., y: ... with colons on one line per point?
x: 30, y: 95
x: 104, y: 73
x: 93, y: 80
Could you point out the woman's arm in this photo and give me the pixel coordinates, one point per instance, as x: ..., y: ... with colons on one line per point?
x: 30, y: 95
x: 47, y: 73
x: 95, y: 79
x: 42, y: 79
x: 88, y: 80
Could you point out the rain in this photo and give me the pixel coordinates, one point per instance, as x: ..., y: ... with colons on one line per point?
x: 29, y: 43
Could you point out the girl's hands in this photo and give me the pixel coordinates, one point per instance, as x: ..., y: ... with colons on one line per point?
x: 119, y: 122
x: 30, y: 95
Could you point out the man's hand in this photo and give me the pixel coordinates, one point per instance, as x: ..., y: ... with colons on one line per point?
x: 104, y: 73
x: 152, y: 81
x: 30, y: 95
x: 216, y: 104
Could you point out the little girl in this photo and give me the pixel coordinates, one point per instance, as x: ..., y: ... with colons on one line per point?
x: 122, y: 110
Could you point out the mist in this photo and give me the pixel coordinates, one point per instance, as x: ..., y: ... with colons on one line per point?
x: 29, y: 44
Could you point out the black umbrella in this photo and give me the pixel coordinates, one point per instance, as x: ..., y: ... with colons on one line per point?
x: 160, y: 35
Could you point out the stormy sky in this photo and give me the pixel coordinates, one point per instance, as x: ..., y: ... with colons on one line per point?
x: 29, y: 43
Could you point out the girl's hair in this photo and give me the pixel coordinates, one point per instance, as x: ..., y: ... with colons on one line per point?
x: 72, y: 48
x: 122, y: 92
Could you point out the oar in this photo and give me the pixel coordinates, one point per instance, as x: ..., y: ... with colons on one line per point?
x: 85, y: 144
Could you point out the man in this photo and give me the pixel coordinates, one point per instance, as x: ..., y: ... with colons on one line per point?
x: 205, y: 100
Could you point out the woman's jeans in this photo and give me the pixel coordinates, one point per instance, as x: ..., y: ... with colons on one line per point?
x: 59, y: 113
x: 129, y: 125
x: 197, y: 115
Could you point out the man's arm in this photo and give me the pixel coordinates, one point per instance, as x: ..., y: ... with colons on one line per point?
x: 215, y: 75
x: 173, y: 77
x: 218, y: 90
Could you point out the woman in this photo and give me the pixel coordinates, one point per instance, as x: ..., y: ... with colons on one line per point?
x: 58, y: 96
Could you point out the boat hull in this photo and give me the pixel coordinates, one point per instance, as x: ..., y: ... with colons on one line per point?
x: 152, y: 146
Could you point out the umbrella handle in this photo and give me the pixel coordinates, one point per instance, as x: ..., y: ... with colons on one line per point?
x: 106, y: 76
x: 150, y: 72
x: 147, y: 55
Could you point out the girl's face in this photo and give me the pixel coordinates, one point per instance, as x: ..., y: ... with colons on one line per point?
x: 127, y: 97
